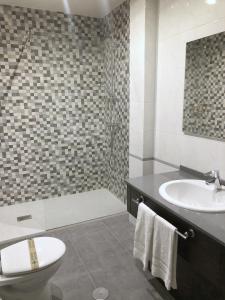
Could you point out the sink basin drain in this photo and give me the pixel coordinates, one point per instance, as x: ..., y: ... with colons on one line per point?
x: 100, y: 293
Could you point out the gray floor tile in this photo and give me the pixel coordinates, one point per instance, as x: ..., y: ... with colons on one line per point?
x: 99, y: 253
x: 71, y: 264
x: 122, y: 230
x: 117, y: 219
x: 75, y: 288
x: 58, y: 233
x: 86, y: 228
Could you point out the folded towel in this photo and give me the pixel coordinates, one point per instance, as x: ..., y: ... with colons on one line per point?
x: 164, y: 256
x: 144, y: 235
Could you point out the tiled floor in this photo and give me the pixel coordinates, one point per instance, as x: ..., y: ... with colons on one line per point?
x: 99, y: 253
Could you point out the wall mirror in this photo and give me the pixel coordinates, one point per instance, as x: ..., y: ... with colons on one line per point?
x: 204, y: 94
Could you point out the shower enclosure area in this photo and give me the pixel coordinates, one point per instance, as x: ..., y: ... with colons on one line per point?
x: 64, y: 112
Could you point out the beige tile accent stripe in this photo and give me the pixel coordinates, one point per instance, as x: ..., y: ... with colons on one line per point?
x: 33, y: 255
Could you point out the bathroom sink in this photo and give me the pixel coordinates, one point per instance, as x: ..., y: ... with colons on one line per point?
x: 194, y: 194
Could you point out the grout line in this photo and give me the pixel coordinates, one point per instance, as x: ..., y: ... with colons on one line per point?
x: 84, y: 222
x: 119, y: 242
x: 109, y: 231
x: 107, y: 228
x: 85, y: 267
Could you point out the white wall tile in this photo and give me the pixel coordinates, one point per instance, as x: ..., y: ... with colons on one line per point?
x: 140, y: 168
x: 148, y: 145
x: 135, y: 167
x: 177, y: 16
x: 148, y: 167
x: 204, y: 155
x: 136, y: 115
x: 168, y: 147
x: 136, y: 143
x: 149, y: 114
x: 181, y: 21
x: 137, y: 50
x: 143, y: 34
x: 160, y: 168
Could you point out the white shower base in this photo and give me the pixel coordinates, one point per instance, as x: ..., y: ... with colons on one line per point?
x: 56, y: 212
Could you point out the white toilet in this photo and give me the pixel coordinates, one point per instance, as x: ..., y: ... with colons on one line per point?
x: 27, y: 266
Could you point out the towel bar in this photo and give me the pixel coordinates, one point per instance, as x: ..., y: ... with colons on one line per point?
x: 187, y: 235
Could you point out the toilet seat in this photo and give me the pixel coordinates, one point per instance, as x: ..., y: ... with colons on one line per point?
x: 16, y: 259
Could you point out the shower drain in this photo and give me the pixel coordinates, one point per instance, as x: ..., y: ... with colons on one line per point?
x: 100, y: 293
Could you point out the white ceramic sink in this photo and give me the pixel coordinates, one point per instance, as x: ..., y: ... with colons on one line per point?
x: 194, y: 195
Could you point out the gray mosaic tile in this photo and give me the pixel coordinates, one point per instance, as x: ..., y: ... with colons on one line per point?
x: 53, y: 107
x: 204, y: 105
x: 116, y: 44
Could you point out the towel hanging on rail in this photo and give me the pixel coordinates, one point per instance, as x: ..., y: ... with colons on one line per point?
x: 190, y: 233
x: 164, y: 253
x: 144, y: 235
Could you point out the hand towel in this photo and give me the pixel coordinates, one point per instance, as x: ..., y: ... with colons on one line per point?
x: 164, y: 256
x: 143, y: 237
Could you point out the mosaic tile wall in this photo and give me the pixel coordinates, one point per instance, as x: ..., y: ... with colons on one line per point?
x: 116, y: 53
x: 53, y: 107
x: 204, y: 101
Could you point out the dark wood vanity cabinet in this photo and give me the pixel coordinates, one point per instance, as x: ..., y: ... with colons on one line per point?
x: 201, y: 260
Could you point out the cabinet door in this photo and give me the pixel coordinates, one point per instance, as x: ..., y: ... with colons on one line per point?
x: 134, y: 199
x: 202, y: 258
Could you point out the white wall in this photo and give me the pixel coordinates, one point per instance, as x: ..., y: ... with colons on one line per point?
x: 143, y: 33
x: 181, y: 21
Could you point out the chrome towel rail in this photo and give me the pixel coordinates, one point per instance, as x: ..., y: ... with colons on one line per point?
x: 186, y: 235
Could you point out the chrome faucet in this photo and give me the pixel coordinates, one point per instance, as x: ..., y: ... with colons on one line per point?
x: 214, y: 177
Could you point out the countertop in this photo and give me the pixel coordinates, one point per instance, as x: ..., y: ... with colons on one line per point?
x: 213, y: 224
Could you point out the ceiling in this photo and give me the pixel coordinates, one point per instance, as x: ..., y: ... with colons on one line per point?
x: 92, y: 8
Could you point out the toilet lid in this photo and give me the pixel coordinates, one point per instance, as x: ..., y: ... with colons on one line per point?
x: 31, y: 255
